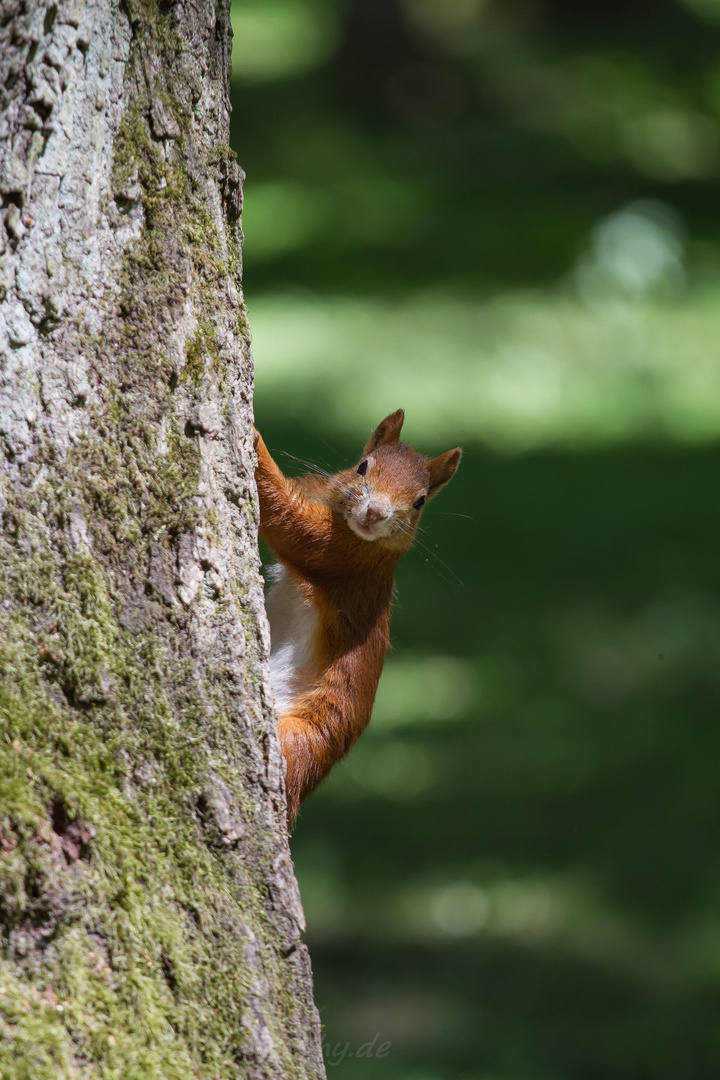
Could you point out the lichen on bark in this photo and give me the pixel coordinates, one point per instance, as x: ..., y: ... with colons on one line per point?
x: 150, y: 917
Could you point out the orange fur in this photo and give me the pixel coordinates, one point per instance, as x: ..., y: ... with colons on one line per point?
x: 340, y: 538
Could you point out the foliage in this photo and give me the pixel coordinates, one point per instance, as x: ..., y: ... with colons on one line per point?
x: 503, y: 217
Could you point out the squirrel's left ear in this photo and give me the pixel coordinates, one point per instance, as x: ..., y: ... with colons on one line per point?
x: 441, y: 469
x: 387, y: 432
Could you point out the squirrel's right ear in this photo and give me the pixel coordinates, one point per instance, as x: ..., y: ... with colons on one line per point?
x: 387, y: 432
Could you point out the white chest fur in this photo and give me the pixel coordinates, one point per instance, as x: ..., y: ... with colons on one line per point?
x: 293, y: 620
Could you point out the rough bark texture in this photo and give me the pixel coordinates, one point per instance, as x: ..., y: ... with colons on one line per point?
x: 149, y: 913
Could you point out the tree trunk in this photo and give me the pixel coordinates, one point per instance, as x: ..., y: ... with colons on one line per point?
x: 150, y: 916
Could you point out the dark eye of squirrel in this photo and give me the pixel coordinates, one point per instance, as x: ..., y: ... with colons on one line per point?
x: 362, y: 468
x: 419, y: 502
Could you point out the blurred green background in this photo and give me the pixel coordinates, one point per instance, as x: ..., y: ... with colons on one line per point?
x: 502, y: 215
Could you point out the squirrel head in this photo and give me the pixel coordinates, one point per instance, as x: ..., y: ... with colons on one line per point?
x: 382, y: 498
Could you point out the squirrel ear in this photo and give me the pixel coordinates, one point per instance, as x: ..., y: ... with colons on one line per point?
x: 441, y: 469
x: 386, y: 432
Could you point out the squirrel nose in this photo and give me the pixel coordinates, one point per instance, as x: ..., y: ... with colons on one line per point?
x: 376, y: 512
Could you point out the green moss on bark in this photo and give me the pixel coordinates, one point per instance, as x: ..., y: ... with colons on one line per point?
x: 130, y: 994
x: 130, y: 915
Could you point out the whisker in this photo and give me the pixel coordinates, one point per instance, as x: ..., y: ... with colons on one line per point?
x: 317, y: 469
x: 426, y: 547
x: 405, y: 529
x: 330, y: 446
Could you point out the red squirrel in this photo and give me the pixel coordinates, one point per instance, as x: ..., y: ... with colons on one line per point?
x: 338, y: 540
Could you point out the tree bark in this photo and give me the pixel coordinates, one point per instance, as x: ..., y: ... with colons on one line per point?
x: 149, y: 912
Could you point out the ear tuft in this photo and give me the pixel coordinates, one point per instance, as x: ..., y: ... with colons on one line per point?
x: 442, y: 469
x: 387, y: 432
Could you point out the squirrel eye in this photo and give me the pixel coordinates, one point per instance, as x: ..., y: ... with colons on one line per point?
x: 362, y: 468
x: 417, y: 505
